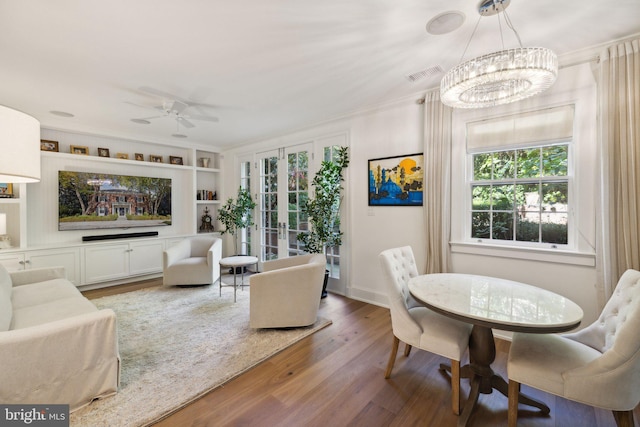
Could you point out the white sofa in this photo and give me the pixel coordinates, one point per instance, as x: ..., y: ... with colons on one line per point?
x: 287, y: 293
x: 56, y: 347
x: 192, y: 261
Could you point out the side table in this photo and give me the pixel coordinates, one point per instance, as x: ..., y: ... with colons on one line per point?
x: 235, y: 262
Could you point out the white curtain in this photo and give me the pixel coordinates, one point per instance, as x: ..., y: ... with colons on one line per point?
x: 437, y: 182
x: 619, y: 94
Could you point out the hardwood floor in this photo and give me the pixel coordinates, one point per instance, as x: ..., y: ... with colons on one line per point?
x: 336, y: 377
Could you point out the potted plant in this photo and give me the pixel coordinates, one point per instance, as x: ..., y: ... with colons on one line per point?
x: 236, y: 215
x: 323, y: 210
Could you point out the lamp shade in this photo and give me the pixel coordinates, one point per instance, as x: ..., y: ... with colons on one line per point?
x: 20, y: 146
x: 3, y: 224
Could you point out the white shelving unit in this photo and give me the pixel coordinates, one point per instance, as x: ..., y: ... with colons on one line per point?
x: 16, y: 210
x: 208, y: 186
x: 36, y: 240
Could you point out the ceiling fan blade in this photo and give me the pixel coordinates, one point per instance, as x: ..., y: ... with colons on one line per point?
x: 177, y: 106
x: 186, y: 123
x: 152, y: 117
x: 204, y: 118
x: 146, y: 107
x: 161, y: 94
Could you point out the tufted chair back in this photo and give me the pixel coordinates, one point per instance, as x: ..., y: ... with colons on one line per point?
x: 616, y: 335
x: 399, y: 265
x: 619, y: 321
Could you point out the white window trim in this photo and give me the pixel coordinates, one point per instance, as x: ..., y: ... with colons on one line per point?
x: 583, y: 176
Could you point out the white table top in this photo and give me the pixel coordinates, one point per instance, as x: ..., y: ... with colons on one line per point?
x: 238, y: 261
x: 496, y: 303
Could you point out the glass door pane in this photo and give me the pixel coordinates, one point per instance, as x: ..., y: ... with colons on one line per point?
x: 280, y: 219
x: 245, y: 235
x: 297, y: 195
x: 267, y: 221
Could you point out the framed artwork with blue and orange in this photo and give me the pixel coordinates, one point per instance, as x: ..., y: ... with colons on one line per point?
x: 396, y: 181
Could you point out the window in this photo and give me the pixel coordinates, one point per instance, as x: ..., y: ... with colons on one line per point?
x: 245, y: 182
x: 521, y: 195
x: 565, y: 120
x: 518, y: 180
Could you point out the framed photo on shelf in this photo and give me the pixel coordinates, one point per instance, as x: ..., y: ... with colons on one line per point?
x: 396, y: 181
x: 103, y: 152
x: 46, y: 145
x: 80, y: 149
x: 139, y: 157
x: 122, y: 156
x: 174, y: 160
x: 155, y: 159
x: 6, y: 190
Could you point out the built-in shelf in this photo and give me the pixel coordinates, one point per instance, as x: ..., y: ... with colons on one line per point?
x: 29, y: 228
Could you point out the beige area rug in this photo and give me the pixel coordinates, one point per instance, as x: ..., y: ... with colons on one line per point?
x: 176, y: 344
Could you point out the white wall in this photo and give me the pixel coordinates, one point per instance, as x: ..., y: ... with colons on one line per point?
x: 396, y: 129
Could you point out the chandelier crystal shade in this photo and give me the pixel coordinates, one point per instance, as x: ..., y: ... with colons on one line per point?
x: 501, y: 77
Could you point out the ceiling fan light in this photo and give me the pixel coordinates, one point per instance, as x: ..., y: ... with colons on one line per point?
x: 499, y: 78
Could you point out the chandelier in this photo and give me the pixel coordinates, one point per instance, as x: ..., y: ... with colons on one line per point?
x: 501, y: 77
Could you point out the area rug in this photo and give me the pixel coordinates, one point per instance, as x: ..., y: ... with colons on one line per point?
x: 176, y: 344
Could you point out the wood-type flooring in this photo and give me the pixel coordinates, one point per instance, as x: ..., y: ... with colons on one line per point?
x: 335, y: 377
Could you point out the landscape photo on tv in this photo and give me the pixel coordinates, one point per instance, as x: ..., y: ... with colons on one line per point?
x: 90, y: 201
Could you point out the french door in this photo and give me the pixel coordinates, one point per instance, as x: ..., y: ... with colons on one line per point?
x: 283, y: 187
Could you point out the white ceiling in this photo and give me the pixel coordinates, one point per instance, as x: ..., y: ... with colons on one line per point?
x: 270, y: 66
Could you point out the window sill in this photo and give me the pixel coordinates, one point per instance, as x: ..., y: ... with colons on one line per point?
x: 530, y: 254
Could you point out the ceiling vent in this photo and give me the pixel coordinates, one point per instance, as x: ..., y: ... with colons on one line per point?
x: 422, y: 74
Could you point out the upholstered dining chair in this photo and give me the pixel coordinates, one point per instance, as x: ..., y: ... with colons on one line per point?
x: 416, y: 325
x: 598, y: 365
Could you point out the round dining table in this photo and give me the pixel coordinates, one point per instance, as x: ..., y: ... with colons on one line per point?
x: 487, y: 303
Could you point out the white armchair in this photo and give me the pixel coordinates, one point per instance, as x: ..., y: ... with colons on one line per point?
x: 193, y: 261
x: 597, y: 366
x: 287, y: 293
x: 416, y: 325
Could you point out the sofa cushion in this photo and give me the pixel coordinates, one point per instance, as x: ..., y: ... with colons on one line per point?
x: 50, y: 312
x: 6, y: 309
x: 43, y: 292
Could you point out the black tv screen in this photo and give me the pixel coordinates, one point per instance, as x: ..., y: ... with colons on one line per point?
x: 89, y: 201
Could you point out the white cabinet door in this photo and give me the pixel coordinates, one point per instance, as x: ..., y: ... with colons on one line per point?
x: 145, y: 257
x: 106, y: 262
x: 69, y: 258
x: 13, y: 261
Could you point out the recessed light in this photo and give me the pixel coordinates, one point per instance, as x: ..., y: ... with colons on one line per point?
x: 141, y: 121
x: 445, y: 22
x: 179, y: 135
x: 61, y: 113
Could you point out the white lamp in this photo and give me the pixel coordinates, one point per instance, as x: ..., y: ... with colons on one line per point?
x: 20, y: 147
x: 5, y: 241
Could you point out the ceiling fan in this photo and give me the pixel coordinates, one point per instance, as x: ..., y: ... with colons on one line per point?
x: 175, y: 108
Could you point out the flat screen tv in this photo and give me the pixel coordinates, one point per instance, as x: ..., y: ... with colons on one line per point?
x: 90, y: 201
